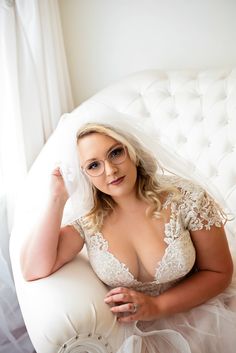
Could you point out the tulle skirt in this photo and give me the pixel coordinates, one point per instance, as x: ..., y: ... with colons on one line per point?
x: 208, y: 328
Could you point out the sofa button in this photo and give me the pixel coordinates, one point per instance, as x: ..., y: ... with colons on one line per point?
x: 183, y: 139
x: 225, y: 122
x: 174, y: 115
x: 201, y: 118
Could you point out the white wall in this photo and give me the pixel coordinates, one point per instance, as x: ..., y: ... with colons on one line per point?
x: 108, y: 39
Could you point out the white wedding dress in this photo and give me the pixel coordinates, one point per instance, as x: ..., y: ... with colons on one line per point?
x: 207, y: 328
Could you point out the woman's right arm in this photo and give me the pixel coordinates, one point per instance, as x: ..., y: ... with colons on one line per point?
x: 49, y: 246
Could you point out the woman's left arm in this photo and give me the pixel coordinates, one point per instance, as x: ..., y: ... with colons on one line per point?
x: 214, y: 272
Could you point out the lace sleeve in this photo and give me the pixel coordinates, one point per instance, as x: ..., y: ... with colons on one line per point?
x: 201, y: 211
x: 77, y: 225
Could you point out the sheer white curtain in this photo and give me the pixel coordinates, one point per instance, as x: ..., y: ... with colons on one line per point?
x: 34, y: 92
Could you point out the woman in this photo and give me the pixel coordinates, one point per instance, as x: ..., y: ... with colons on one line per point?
x: 157, y: 241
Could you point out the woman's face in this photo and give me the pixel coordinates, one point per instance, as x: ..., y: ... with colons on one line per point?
x: 117, y: 180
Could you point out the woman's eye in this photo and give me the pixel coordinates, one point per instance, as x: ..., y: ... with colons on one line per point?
x: 93, y: 165
x: 117, y: 152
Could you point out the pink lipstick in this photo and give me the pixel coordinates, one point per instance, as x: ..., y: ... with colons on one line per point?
x: 117, y: 181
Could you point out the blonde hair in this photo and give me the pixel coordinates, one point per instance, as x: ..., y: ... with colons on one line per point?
x: 148, y: 187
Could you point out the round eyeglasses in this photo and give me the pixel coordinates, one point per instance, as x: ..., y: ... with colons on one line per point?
x: 97, y: 167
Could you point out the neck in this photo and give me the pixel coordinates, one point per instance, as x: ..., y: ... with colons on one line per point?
x: 128, y: 204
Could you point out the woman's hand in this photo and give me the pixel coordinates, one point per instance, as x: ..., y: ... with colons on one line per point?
x: 57, y: 185
x: 134, y: 305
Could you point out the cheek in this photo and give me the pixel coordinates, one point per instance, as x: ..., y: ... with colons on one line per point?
x: 135, y: 174
x: 97, y: 183
x: 133, y: 171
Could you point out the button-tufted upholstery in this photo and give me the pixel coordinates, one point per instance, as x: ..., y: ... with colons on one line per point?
x: 195, y: 113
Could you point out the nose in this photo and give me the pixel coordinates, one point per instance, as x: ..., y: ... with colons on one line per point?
x: 109, y: 168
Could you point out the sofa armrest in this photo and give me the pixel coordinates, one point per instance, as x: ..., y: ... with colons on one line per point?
x: 66, y: 311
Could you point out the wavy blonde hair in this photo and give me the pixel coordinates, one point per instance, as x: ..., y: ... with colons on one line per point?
x: 148, y: 187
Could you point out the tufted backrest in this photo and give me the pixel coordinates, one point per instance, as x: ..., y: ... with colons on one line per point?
x: 194, y: 112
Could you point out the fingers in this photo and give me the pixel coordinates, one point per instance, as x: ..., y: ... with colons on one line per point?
x: 130, y: 305
x: 123, y: 300
x: 125, y: 313
x: 120, y: 295
x: 115, y: 298
x: 56, y: 171
x: 123, y: 308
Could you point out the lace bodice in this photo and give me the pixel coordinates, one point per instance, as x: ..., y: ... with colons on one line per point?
x: 195, y: 210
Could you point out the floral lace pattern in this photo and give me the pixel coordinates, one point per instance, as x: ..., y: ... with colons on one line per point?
x: 195, y: 210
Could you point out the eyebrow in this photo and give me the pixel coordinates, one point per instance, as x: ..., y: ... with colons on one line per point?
x: 107, y: 152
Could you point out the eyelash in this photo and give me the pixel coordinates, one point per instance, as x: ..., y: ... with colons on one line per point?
x: 90, y: 166
x: 115, y: 150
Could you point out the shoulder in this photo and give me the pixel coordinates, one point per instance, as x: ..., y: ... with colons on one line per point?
x: 78, y: 224
x: 189, y: 190
x: 198, y: 209
x: 84, y: 226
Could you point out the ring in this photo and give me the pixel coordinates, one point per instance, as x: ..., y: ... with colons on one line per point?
x: 135, y: 308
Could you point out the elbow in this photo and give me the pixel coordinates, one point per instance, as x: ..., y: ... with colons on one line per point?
x: 227, y: 276
x: 25, y: 270
x: 30, y: 273
x: 230, y: 271
x: 30, y: 276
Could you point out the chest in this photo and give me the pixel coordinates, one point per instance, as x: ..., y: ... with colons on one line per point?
x: 137, y: 241
x: 135, y: 250
x: 178, y: 259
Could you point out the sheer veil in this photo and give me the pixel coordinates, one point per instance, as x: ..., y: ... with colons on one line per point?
x: 78, y: 186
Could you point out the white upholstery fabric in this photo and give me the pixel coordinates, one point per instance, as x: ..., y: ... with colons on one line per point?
x: 195, y: 113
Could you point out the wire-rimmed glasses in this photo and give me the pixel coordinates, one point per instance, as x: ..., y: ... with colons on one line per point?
x: 116, y: 156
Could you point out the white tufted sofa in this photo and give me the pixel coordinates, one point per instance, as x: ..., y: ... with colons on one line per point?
x: 195, y: 111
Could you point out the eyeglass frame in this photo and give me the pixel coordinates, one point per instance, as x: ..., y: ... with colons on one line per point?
x: 106, y: 159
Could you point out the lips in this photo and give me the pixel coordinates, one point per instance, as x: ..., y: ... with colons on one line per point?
x: 117, y: 181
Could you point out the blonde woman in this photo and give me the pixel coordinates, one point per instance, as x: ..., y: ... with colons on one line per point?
x: 157, y: 241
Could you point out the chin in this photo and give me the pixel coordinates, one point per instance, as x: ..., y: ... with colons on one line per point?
x: 122, y: 192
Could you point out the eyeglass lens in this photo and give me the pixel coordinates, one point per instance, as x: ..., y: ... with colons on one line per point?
x: 115, y: 156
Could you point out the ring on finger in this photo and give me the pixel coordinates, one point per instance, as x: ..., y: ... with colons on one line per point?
x: 135, y: 308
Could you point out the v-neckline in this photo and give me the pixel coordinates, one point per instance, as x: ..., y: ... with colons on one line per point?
x: 163, y: 258
x: 159, y: 263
